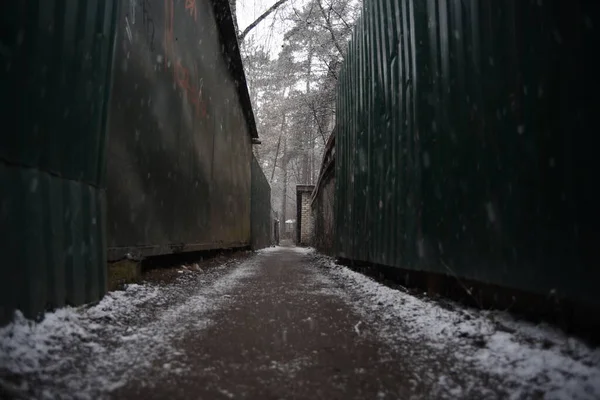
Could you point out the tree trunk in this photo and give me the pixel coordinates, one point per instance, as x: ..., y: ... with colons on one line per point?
x: 313, y: 157
x: 284, y: 197
x: 330, y: 29
x: 307, y: 134
x: 278, y: 144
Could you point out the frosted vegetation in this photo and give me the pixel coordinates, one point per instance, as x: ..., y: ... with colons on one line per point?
x: 292, y: 52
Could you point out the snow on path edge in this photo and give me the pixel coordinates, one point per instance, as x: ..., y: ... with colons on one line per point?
x: 48, y: 350
x: 527, y: 355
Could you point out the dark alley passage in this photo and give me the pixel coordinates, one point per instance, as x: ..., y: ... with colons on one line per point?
x: 324, y: 199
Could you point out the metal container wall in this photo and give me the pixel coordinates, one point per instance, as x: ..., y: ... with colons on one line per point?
x: 54, y: 85
x: 180, y: 140
x: 324, y: 215
x: 464, y: 142
x: 262, y: 227
x: 323, y: 202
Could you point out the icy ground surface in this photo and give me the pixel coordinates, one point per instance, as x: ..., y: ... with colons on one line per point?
x: 534, y: 360
x: 89, y: 352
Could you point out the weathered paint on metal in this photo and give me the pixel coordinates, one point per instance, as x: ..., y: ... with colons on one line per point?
x: 179, y: 175
x: 464, y: 142
x: 262, y: 228
x: 323, y: 202
x: 55, y: 64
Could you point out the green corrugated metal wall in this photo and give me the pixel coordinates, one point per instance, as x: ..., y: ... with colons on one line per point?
x: 260, y: 214
x: 464, y: 142
x: 54, y: 67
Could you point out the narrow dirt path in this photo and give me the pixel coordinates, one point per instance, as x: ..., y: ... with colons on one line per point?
x: 286, y: 323
x: 289, y: 332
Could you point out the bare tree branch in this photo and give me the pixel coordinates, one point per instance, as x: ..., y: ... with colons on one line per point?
x: 330, y: 29
x: 314, y: 111
x: 278, y: 144
x: 340, y: 17
x: 259, y: 19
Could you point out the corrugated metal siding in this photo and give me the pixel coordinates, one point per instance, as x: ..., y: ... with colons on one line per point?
x: 179, y: 176
x: 323, y: 215
x: 464, y: 141
x: 54, y: 65
x: 262, y: 227
x: 323, y: 202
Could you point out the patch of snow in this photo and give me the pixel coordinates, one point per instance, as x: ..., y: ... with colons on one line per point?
x: 528, y: 357
x: 356, y: 328
x: 302, y: 250
x: 290, y: 369
x: 197, y: 268
x: 226, y: 393
x: 273, y: 249
x: 91, y: 351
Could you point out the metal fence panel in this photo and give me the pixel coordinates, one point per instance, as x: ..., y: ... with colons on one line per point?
x: 464, y: 142
x: 262, y: 227
x: 323, y: 201
x: 54, y: 83
x: 180, y: 146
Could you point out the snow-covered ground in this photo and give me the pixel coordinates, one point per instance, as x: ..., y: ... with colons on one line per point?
x: 531, y: 359
x: 274, y: 249
x: 86, y: 352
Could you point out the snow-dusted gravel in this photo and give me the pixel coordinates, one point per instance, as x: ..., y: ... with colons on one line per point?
x: 86, y: 352
x: 533, y: 360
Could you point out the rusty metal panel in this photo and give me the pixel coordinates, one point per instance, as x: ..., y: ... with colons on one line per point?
x: 262, y: 227
x: 323, y: 214
x: 464, y: 142
x: 54, y: 84
x: 179, y: 153
x: 323, y: 201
